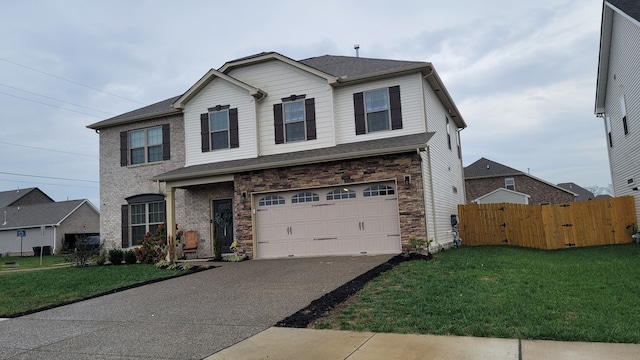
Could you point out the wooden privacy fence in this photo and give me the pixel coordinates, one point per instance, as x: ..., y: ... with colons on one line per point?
x: 555, y: 226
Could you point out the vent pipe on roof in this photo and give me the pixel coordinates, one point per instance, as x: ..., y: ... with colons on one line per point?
x: 5, y: 218
x: 357, y: 47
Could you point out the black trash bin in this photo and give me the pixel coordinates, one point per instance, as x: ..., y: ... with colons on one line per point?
x: 46, y: 250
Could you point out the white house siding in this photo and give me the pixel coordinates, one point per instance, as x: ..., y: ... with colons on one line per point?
x: 446, y: 170
x: 413, y: 120
x: 624, y: 156
x: 220, y: 92
x: 10, y: 242
x: 119, y: 182
x: 281, y: 80
x: 503, y: 196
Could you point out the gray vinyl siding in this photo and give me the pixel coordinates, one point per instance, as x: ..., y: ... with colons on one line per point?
x: 624, y: 80
x: 446, y: 171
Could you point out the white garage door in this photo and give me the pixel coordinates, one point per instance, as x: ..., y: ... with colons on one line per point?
x: 329, y: 221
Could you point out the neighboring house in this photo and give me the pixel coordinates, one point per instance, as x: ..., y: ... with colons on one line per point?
x: 618, y: 93
x: 327, y: 155
x: 503, y: 195
x: 485, y: 176
x: 44, y: 221
x: 583, y: 194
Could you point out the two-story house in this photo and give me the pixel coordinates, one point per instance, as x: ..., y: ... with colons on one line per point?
x: 487, y: 182
x: 330, y: 155
x: 618, y: 93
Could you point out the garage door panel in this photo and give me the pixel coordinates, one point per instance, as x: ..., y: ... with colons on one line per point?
x: 341, y: 223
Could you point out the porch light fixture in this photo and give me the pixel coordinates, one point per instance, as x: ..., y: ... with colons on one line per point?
x: 407, y: 182
x: 243, y: 197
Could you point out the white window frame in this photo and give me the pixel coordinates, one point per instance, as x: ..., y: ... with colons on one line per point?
x: 149, y: 226
x: 387, y: 109
x: 287, y: 120
x: 510, y: 184
x: 212, y: 146
x: 145, y: 147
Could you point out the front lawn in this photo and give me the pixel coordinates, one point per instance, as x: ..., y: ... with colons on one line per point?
x: 31, y: 290
x: 580, y: 294
x: 9, y: 263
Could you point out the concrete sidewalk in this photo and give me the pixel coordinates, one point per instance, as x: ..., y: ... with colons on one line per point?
x: 287, y: 343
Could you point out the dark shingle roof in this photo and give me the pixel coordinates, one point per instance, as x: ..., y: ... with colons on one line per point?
x: 583, y: 194
x: 630, y: 7
x: 9, y: 197
x: 38, y: 214
x: 339, y: 152
x: 487, y: 168
x: 159, y: 108
x: 353, y: 66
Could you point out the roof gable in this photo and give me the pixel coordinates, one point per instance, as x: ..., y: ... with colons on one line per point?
x: 502, y: 190
x: 11, y: 197
x: 583, y: 194
x: 207, y: 78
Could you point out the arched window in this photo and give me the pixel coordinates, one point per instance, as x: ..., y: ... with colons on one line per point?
x: 271, y: 200
x: 304, y: 197
x: 339, y: 194
x: 379, y: 190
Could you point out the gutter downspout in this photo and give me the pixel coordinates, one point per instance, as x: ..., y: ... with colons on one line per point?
x: 433, y: 202
x: 55, y: 234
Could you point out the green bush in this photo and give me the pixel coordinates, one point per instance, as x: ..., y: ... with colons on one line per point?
x: 152, y: 249
x: 116, y: 256
x: 130, y: 257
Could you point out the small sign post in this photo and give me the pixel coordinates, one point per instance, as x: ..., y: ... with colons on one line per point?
x: 42, y: 228
x: 22, y: 233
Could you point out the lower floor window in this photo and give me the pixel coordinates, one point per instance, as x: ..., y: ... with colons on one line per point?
x: 145, y: 217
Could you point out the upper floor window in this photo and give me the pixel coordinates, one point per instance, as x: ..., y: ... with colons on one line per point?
x: 378, y: 190
x: 304, y: 197
x: 377, y: 110
x: 294, y: 119
x: 510, y: 183
x: 623, y: 111
x: 144, y: 145
x: 448, y: 133
x: 339, y: 194
x: 219, y: 128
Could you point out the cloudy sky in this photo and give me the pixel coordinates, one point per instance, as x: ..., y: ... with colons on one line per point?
x: 522, y: 73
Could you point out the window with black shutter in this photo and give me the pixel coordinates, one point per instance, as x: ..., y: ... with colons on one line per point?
x: 219, y: 128
x: 377, y: 110
x: 145, y: 145
x: 294, y: 119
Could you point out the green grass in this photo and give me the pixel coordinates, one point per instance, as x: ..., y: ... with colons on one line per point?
x: 31, y: 262
x: 31, y: 290
x: 581, y: 294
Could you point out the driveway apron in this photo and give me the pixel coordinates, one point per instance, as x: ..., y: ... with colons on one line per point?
x: 190, y: 317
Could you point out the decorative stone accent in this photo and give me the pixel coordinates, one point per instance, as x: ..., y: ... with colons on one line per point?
x: 371, y: 169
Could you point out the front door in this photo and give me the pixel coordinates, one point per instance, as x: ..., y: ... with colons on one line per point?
x: 223, y: 223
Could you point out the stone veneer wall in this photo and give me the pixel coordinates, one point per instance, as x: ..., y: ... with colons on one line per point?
x: 370, y: 169
x: 540, y: 192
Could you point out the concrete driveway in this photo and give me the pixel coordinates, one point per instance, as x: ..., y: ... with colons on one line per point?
x: 190, y: 317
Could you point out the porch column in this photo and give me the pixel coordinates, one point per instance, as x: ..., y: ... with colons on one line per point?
x: 171, y: 223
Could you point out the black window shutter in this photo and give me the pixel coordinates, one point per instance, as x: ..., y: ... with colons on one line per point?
x: 278, y: 123
x: 234, y: 140
x: 396, y: 112
x: 124, y: 149
x: 310, y: 115
x: 125, y: 226
x: 204, y: 131
x: 358, y: 107
x: 166, y: 143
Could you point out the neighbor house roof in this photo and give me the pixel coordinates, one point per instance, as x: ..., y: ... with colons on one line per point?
x: 48, y: 214
x: 384, y: 146
x: 485, y: 168
x: 337, y: 70
x: 583, y: 194
x: 7, y: 198
x: 629, y: 9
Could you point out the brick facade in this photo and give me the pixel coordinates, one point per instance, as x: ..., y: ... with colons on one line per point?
x: 119, y: 182
x: 539, y: 191
x: 85, y: 220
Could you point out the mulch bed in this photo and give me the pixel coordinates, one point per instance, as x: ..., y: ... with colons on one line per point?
x: 322, y: 306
